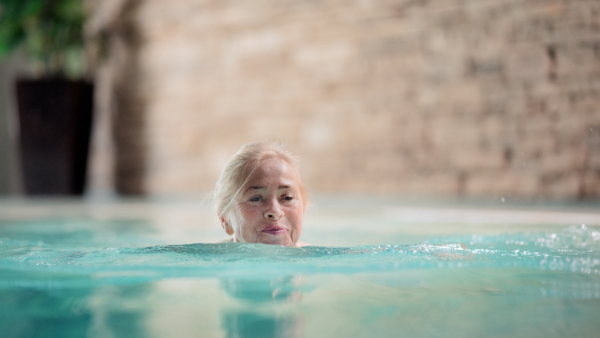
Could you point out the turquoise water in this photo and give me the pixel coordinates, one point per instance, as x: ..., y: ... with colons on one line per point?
x: 59, y: 278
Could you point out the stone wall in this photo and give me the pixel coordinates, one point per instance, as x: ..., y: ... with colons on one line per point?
x: 411, y: 97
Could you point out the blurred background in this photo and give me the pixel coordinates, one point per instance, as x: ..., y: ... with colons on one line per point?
x: 432, y: 98
x: 416, y: 121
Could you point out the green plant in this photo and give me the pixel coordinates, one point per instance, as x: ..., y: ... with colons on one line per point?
x: 50, y: 31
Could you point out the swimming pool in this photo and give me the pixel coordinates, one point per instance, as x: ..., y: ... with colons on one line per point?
x: 386, y: 268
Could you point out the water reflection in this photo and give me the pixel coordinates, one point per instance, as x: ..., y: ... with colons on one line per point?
x: 34, y: 313
x: 265, y: 308
x: 71, y: 312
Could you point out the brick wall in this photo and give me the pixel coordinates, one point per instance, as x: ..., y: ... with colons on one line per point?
x: 438, y: 97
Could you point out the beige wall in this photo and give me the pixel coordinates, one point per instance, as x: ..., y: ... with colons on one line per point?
x: 440, y: 97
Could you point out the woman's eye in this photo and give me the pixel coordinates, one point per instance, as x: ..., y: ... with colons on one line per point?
x: 255, y: 199
x: 288, y: 198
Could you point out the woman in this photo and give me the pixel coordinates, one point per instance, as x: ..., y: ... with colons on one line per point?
x: 260, y: 197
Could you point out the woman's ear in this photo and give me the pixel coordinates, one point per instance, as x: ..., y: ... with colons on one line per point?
x: 226, y: 226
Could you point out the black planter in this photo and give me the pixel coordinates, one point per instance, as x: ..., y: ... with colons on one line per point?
x: 55, y: 117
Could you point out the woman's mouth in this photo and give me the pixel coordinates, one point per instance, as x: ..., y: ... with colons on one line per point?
x: 274, y: 230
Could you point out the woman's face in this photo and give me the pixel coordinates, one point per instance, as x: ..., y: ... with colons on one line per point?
x: 269, y: 209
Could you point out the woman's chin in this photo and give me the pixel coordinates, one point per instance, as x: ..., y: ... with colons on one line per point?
x: 275, y: 240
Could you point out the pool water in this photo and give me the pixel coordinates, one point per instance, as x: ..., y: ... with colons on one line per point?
x: 82, y: 273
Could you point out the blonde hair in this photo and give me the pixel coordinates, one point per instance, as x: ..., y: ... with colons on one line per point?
x: 240, y: 168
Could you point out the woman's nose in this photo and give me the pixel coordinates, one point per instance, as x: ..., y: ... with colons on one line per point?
x: 273, y: 211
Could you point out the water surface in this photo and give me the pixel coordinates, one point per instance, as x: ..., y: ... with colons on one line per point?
x: 63, y: 278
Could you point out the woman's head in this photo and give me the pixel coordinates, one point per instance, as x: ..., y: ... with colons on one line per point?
x: 260, y: 197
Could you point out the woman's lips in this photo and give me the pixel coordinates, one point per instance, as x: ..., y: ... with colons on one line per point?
x: 274, y: 230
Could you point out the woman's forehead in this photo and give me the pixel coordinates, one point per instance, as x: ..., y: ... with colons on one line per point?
x: 274, y: 172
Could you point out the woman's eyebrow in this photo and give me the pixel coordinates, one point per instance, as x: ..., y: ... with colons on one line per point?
x: 259, y: 187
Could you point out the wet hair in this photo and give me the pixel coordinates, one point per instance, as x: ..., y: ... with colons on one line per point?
x: 240, y: 168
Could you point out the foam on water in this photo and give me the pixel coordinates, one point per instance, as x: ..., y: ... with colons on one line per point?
x: 575, y: 249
